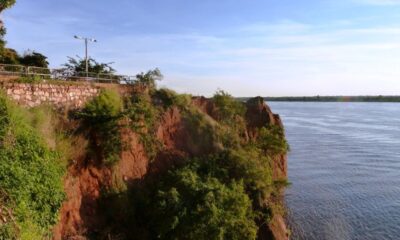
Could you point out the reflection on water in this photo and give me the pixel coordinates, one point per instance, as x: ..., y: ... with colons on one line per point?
x: 344, y: 166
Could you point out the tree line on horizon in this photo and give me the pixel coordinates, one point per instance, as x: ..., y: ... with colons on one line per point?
x: 379, y: 98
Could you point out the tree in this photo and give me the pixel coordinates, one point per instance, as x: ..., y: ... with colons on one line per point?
x: 149, y: 79
x: 8, y: 55
x: 4, y: 4
x: 79, y: 65
x: 34, y: 59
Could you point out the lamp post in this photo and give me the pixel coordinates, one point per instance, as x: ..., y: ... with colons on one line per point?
x: 87, y: 40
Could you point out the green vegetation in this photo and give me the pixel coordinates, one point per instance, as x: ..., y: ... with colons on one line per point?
x: 29, y: 79
x: 228, y: 109
x: 100, y: 119
x: 170, y: 98
x: 143, y: 115
x: 9, y: 55
x: 191, y: 203
x: 230, y: 113
x: 271, y: 140
x: 4, y: 4
x: 34, y: 59
x: 149, y: 78
x: 217, y: 196
x: 79, y: 65
x: 225, y: 192
x: 30, y: 175
x: 220, y: 187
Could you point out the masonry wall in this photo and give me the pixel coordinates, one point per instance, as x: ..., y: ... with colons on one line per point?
x: 60, y: 95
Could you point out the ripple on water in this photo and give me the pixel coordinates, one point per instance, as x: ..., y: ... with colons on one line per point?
x: 344, y: 166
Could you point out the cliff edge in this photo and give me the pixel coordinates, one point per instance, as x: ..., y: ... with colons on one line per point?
x: 144, y: 163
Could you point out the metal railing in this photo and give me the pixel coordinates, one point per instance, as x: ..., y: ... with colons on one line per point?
x: 64, y: 74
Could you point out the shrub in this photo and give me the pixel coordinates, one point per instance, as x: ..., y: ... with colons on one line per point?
x: 30, y: 79
x: 30, y: 173
x: 228, y: 109
x: 190, y: 204
x: 101, y: 117
x: 202, y: 130
x: 141, y: 112
x: 272, y: 140
x: 170, y: 98
x: 217, y: 196
x: 143, y: 115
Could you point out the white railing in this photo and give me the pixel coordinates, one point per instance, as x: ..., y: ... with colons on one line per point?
x: 64, y: 74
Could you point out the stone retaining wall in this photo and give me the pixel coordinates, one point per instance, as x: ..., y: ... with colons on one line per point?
x: 59, y: 95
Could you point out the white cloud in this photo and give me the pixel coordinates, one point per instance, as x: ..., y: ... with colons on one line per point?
x: 309, y: 61
x: 285, y: 58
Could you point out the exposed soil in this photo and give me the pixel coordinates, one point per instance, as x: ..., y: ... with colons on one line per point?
x: 81, y: 214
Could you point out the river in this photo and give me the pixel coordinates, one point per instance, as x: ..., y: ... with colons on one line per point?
x: 344, y: 166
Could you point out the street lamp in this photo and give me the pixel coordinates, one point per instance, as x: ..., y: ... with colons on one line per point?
x: 87, y: 40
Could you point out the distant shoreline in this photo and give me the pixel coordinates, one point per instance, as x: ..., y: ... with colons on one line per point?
x: 331, y: 99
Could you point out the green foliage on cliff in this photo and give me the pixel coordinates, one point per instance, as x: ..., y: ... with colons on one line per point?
x: 142, y: 115
x: 170, y: 98
x: 191, y: 203
x: 100, y: 119
x: 271, y: 139
x: 218, y: 196
x: 228, y: 108
x: 30, y: 175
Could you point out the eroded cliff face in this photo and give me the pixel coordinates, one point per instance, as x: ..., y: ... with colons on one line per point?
x: 82, y: 215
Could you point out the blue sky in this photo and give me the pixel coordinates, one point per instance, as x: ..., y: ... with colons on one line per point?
x: 247, y: 47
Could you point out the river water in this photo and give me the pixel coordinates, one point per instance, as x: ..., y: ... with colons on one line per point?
x: 344, y: 166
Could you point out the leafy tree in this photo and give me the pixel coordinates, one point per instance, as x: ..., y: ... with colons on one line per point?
x: 8, y: 56
x: 190, y: 203
x: 4, y: 4
x: 214, y: 197
x: 149, y: 79
x: 76, y: 65
x: 34, y: 59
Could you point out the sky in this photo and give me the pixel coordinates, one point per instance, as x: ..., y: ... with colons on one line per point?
x: 245, y: 47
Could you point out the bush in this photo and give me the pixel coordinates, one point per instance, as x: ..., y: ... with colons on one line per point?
x: 272, y: 140
x: 170, y: 98
x: 219, y: 196
x: 192, y: 204
x: 228, y: 109
x: 101, y: 117
x: 30, y: 79
x: 143, y: 115
x: 141, y: 112
x: 30, y: 173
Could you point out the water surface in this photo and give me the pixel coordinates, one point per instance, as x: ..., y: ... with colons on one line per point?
x: 344, y: 166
